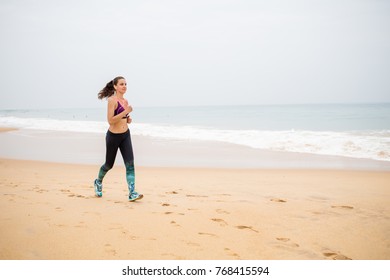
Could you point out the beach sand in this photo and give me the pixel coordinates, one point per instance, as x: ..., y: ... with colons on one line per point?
x: 203, y: 200
x: 49, y: 211
x: 7, y: 129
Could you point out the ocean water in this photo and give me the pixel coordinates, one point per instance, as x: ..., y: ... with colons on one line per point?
x: 350, y: 130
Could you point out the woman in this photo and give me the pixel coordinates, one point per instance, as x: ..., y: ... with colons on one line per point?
x: 118, y: 135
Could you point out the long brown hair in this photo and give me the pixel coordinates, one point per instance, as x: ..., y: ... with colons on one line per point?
x: 109, y: 89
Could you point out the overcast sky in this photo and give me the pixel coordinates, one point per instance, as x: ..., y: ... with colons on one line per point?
x: 198, y: 52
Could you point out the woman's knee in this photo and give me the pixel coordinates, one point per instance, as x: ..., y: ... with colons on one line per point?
x: 106, y: 167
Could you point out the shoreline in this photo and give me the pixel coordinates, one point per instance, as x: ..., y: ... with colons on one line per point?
x: 192, y: 213
x: 89, y: 148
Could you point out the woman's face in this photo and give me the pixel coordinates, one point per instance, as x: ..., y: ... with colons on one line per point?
x: 121, y: 86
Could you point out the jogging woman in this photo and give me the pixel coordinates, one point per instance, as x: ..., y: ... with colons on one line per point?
x: 118, y: 135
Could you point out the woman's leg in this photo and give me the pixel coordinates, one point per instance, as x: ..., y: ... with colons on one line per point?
x: 126, y: 149
x: 112, y: 144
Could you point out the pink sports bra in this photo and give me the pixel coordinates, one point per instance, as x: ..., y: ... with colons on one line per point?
x: 120, y: 107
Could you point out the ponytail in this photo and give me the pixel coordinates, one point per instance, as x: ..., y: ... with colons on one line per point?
x: 109, y: 89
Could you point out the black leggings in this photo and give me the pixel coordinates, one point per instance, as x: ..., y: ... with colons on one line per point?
x: 123, y: 142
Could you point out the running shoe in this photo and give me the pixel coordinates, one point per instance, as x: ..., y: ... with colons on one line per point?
x: 98, y: 188
x: 135, y: 196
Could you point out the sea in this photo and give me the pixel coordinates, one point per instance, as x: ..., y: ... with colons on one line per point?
x: 348, y: 130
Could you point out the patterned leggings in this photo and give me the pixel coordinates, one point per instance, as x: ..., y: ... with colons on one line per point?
x: 123, y: 142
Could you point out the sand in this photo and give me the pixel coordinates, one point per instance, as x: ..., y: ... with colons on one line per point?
x: 49, y: 211
x: 7, y: 129
x: 203, y: 201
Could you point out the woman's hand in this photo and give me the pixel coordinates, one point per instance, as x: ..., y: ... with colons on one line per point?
x: 128, y: 110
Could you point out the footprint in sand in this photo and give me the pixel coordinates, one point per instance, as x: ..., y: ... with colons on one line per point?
x: 247, y: 227
x: 110, y: 250
x: 172, y: 192
x: 39, y: 190
x: 123, y: 231
x: 221, y: 222
x: 60, y: 225
x: 12, y: 196
x: 175, y: 224
x: 287, y: 242
x: 335, y: 256
x: 13, y: 185
x: 119, y: 228
x: 221, y: 211
x: 167, y: 205
x: 231, y: 253
x: 117, y: 201
x: 284, y: 239
x: 278, y: 200
x: 70, y: 194
x: 225, y: 194
x: 78, y: 195
x: 194, y: 195
x: 192, y: 244
x: 207, y: 234
x: 342, y: 207
x: 81, y: 225
x: 318, y: 212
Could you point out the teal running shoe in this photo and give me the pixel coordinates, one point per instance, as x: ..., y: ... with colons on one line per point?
x: 98, y: 188
x: 133, y: 195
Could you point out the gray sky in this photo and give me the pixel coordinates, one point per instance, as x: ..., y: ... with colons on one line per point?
x: 197, y: 52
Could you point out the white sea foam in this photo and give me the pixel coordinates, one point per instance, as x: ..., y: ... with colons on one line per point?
x: 53, y: 124
x: 373, y: 144
x: 370, y: 145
